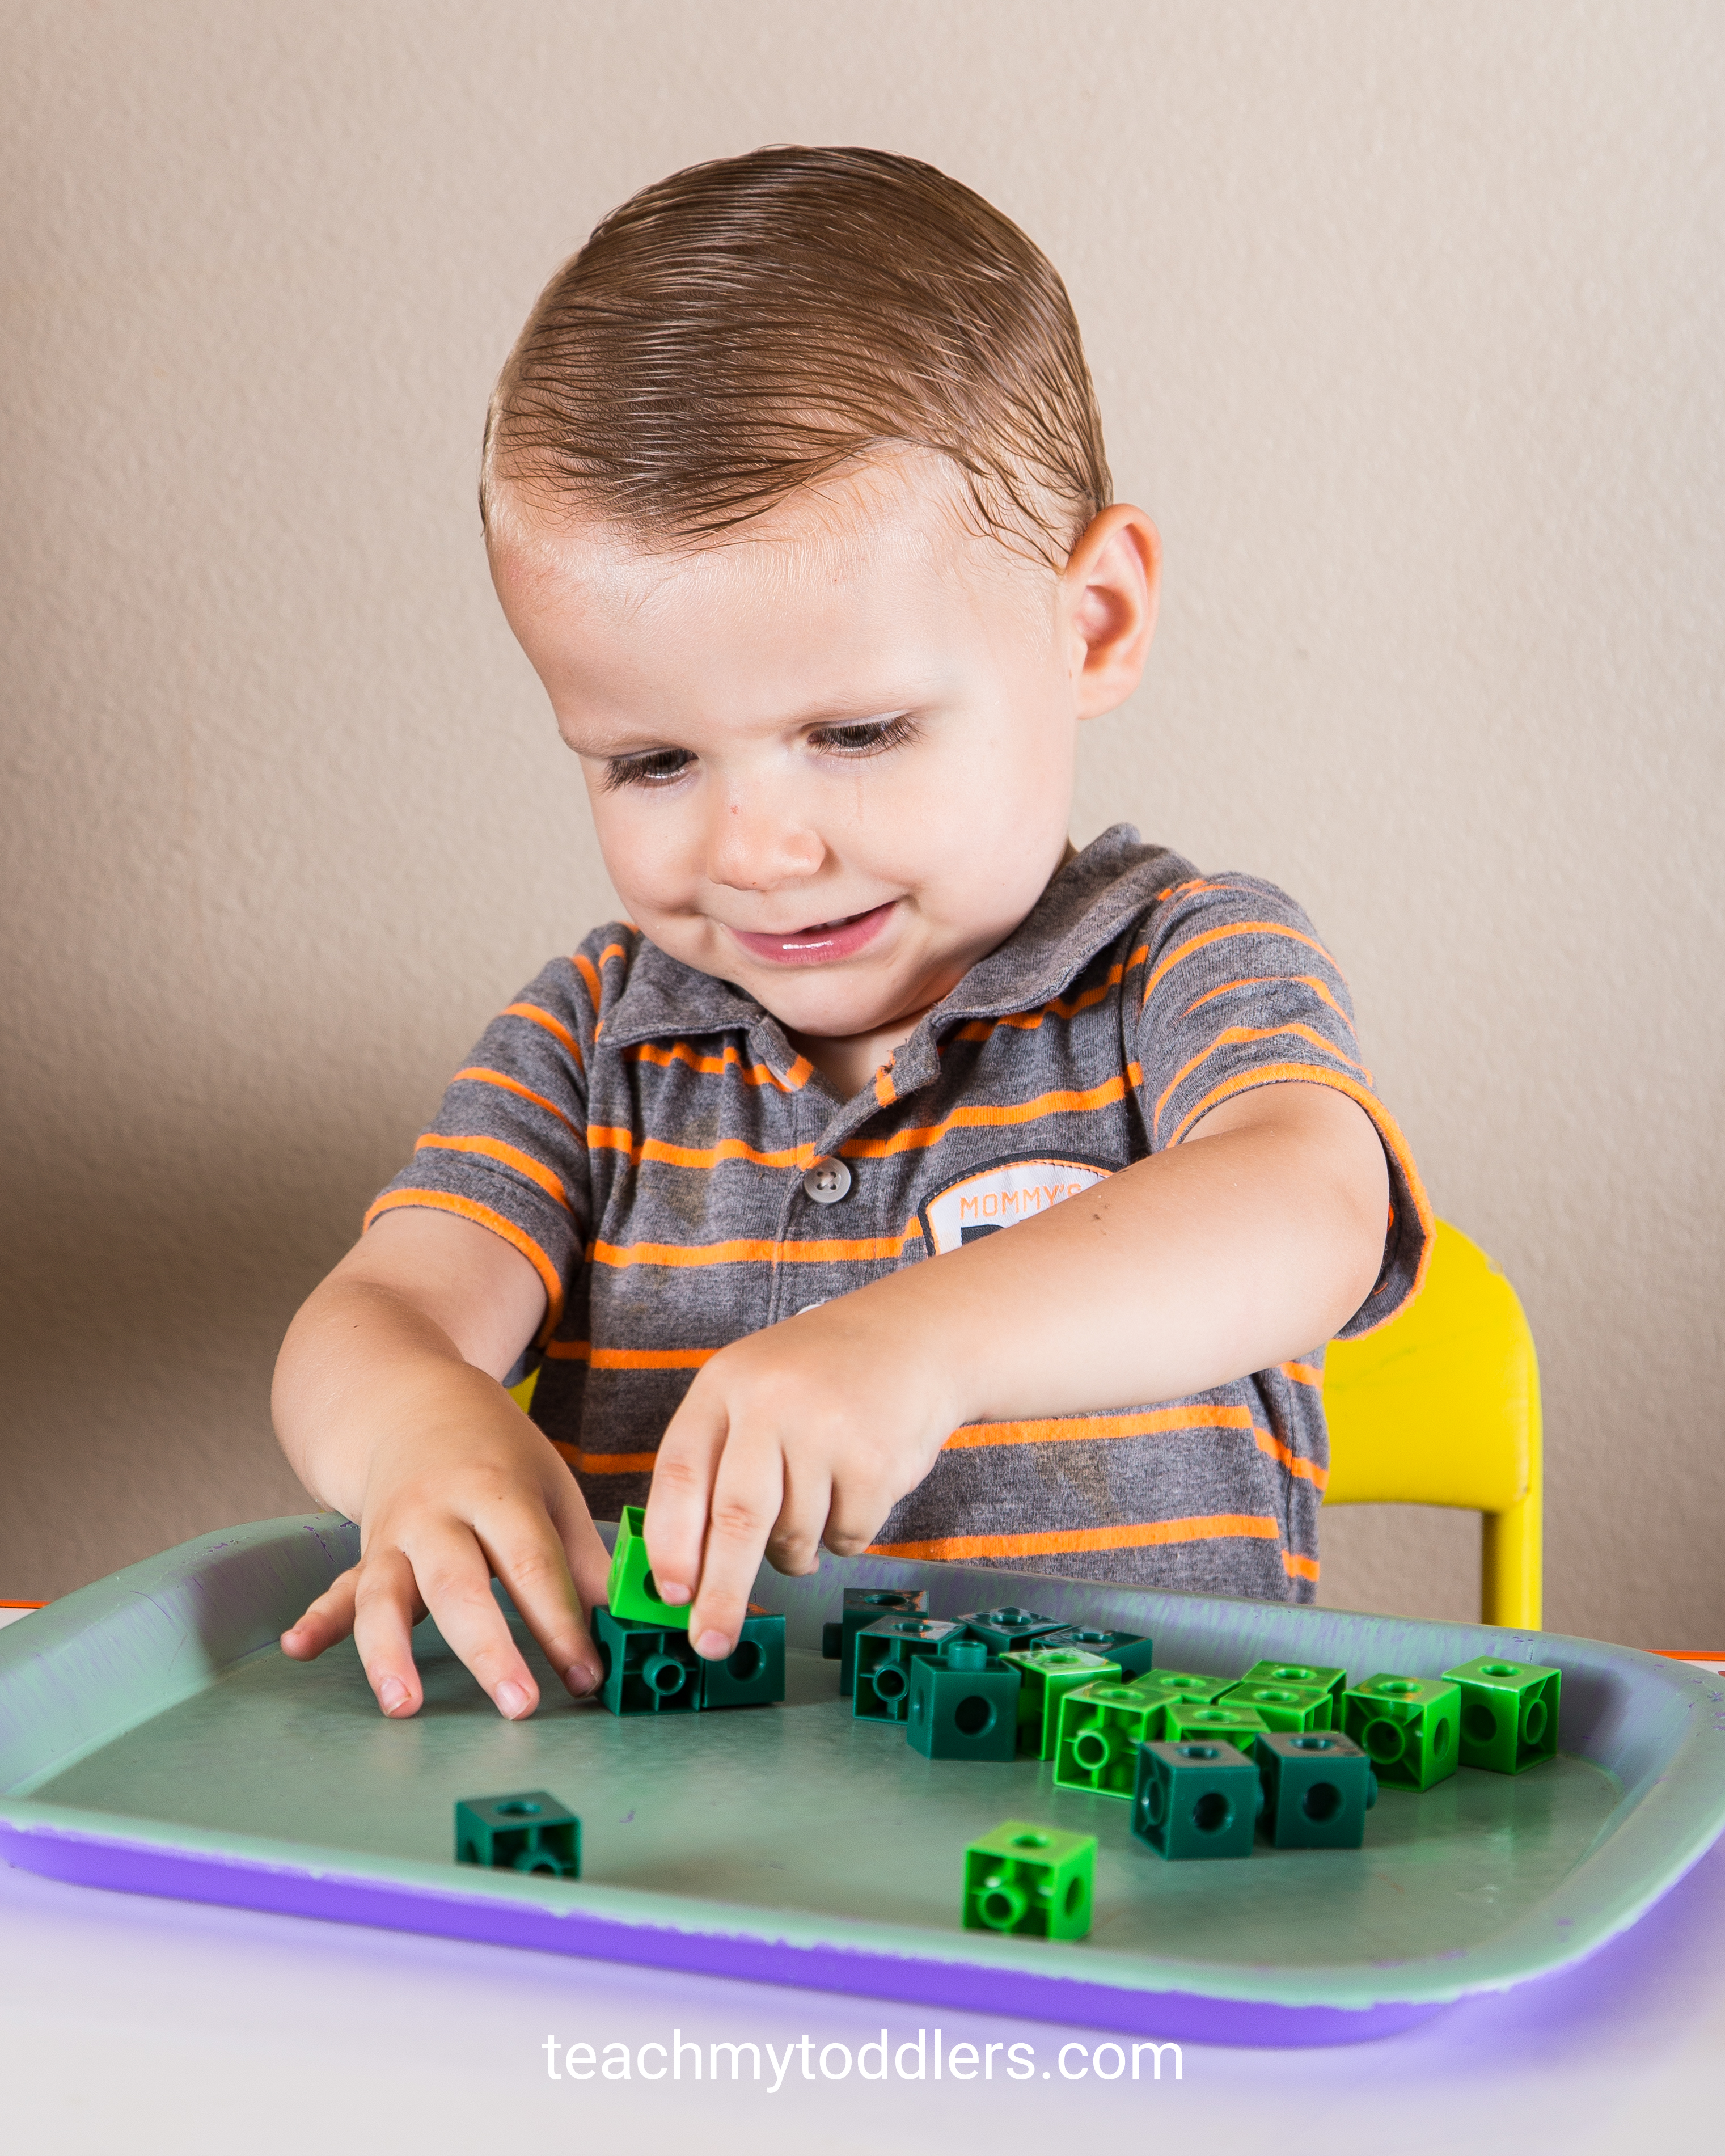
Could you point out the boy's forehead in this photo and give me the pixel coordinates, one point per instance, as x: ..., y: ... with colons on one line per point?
x: 896, y: 520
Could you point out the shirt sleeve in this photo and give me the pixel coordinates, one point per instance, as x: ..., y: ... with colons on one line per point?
x: 1239, y: 991
x: 508, y: 1147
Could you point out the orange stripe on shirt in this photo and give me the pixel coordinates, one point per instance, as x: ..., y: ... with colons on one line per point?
x: 477, y: 1075
x: 1166, y: 965
x: 627, y: 1358
x: 554, y: 1026
x: 615, y: 1138
x: 1215, y: 1527
x: 1299, y: 1568
x: 1302, y: 1374
x: 860, y: 1250
x: 605, y: 1463
x: 715, y: 1066
x: 1311, y: 1074
x: 511, y: 1156
x: 589, y: 977
x: 446, y: 1201
x: 1275, y: 981
x: 1028, y: 1021
x: 1146, y: 1422
x: 1024, y: 1111
x: 1231, y: 1036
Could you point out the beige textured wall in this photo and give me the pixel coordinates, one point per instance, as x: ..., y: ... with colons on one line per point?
x: 1408, y: 323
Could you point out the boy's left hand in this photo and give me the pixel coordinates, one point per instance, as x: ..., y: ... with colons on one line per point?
x: 806, y: 1433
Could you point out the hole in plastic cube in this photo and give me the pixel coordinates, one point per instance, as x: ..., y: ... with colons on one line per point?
x: 1479, y: 1722
x: 1395, y: 1687
x: 1533, y: 1722
x: 1501, y: 1669
x: 1211, y: 1813
x: 891, y: 1681
x: 748, y: 1662
x: 1386, y: 1740
x: 1320, y: 1802
x: 1089, y: 1748
x: 1314, y: 1744
x: 974, y: 1716
x: 1030, y: 1842
x: 517, y: 1808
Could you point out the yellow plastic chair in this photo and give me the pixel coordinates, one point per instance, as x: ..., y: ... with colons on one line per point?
x: 1441, y: 1407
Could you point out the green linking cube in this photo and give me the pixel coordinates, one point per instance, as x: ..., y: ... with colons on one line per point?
x: 629, y: 1589
x: 1304, y: 1674
x: 1283, y: 1707
x: 964, y: 1703
x: 1101, y: 1727
x: 530, y: 1832
x: 1049, y: 1674
x: 1509, y: 1713
x: 1215, y: 1721
x: 865, y: 1605
x: 1005, y: 1630
x: 1031, y: 1880
x: 1186, y: 1685
x: 1193, y: 1799
x: 1318, y: 1786
x: 1130, y: 1652
x: 885, y: 1651
x: 753, y: 1674
x: 649, y: 1669
x: 1407, y: 1727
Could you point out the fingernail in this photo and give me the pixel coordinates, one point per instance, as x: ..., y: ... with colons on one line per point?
x: 512, y: 1701
x: 581, y: 1679
x: 391, y: 1694
x: 711, y: 1646
x: 673, y: 1592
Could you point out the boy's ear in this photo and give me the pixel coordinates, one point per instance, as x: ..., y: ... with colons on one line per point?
x: 1110, y: 587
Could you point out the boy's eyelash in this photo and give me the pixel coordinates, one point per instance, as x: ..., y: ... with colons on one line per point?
x: 660, y: 766
x: 867, y: 738
x: 657, y: 768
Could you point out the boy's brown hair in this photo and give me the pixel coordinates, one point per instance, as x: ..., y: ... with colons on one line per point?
x: 746, y: 327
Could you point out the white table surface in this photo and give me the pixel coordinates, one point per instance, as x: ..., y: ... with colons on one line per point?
x: 136, y: 2025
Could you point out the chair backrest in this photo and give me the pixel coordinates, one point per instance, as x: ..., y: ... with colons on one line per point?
x: 1441, y: 1407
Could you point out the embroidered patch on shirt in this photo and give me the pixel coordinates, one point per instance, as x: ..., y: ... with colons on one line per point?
x: 998, y: 1197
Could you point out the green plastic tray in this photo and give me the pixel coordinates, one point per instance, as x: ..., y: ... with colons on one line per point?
x: 152, y: 1738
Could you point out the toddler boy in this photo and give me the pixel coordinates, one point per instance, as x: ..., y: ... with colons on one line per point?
x: 896, y: 1175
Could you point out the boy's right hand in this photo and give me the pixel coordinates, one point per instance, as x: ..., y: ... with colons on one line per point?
x: 389, y: 1404
x: 475, y: 1493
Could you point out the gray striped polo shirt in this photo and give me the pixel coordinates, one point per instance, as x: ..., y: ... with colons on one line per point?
x: 649, y: 1139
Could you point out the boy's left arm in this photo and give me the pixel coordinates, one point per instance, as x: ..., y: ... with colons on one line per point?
x: 1256, y: 1238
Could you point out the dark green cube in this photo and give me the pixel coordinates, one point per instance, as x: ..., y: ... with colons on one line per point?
x: 1283, y: 1706
x: 866, y: 1605
x: 1509, y: 1712
x: 1049, y: 1674
x: 885, y: 1651
x: 1005, y: 1630
x: 1318, y: 1786
x: 1408, y: 1727
x: 530, y: 1831
x: 1032, y: 1880
x: 1332, y: 1680
x: 1195, y: 1799
x: 753, y: 1674
x: 1101, y: 1727
x: 649, y: 1669
x: 1130, y: 1652
x: 963, y: 1704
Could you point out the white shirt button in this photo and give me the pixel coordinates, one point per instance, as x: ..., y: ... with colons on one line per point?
x: 827, y: 1182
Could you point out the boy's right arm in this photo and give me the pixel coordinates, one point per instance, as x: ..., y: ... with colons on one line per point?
x: 389, y: 1404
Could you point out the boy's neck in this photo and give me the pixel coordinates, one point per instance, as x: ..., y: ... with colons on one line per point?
x: 849, y: 1061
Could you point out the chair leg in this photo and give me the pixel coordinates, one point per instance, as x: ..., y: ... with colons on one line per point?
x: 1510, y: 1554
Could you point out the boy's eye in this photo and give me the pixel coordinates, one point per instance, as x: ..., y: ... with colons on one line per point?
x: 656, y: 768
x: 867, y: 737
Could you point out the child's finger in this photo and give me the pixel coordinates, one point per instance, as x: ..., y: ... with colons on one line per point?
x: 385, y: 1603
x: 675, y: 1525
x: 329, y: 1618
x: 589, y: 1560
x: 528, y: 1557
x: 748, y: 1503
x: 454, y: 1583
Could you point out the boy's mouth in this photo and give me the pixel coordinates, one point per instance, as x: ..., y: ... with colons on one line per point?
x: 820, y: 944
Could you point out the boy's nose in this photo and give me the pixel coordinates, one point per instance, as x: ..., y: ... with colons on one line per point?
x: 758, y: 845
